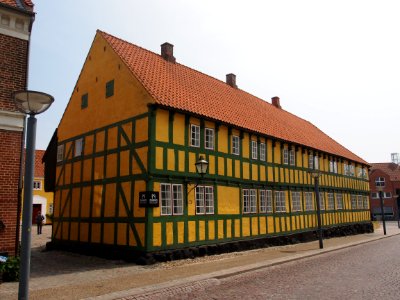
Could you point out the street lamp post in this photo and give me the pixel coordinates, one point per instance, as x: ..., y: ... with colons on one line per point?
x: 315, y: 174
x: 30, y: 103
x: 379, y: 186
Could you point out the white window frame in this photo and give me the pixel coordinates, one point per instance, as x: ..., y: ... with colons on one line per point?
x: 37, y: 185
x: 360, y: 202
x: 321, y: 200
x: 309, y: 201
x: 366, y: 202
x: 209, y: 138
x: 60, y: 153
x: 353, y: 201
x: 331, y: 166
x: 254, y: 150
x: 375, y: 195
x: 380, y: 180
x: 387, y: 195
x: 263, y: 201
x: 339, y: 201
x: 280, y: 202
x: 292, y: 157
x: 171, y: 199
x: 346, y: 169
x: 331, y: 201
x: 335, y: 169
x: 296, y: 201
x: 194, y: 135
x: 310, y: 161
x: 249, y: 201
x: 316, y: 162
x: 262, y: 151
x: 204, y: 200
x: 285, y: 156
x: 78, y: 147
x: 235, y: 145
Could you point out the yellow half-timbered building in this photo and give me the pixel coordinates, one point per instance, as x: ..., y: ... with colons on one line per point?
x: 138, y: 121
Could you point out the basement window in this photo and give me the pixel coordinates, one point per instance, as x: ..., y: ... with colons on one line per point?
x: 110, y: 88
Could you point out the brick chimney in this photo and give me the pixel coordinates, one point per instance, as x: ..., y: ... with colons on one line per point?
x: 231, y: 80
x: 167, y: 52
x: 275, y: 102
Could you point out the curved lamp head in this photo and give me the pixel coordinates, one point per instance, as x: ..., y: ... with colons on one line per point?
x: 201, y: 166
x: 314, y: 173
x: 32, y: 102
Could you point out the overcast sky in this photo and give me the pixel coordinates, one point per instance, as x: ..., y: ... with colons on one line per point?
x: 333, y: 63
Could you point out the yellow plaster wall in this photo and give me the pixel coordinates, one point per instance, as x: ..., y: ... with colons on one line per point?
x: 101, y: 66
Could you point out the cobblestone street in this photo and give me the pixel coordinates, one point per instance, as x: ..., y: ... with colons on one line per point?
x: 368, y: 271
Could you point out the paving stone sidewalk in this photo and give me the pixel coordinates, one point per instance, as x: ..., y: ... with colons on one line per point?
x: 63, y: 275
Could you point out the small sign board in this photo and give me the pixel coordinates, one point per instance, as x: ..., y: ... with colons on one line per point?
x: 149, y: 199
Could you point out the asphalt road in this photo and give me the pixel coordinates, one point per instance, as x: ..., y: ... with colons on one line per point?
x: 368, y: 271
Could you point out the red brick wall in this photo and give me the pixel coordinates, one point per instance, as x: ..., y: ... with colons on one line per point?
x: 13, y: 68
x: 390, y: 187
x: 10, y: 155
x: 13, y: 76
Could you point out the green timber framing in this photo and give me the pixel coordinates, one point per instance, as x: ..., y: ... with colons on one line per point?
x: 280, y: 174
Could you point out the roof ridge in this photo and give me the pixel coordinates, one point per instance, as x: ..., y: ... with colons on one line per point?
x: 178, y: 86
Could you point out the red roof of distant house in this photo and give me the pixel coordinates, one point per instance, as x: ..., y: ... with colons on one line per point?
x: 392, y: 169
x: 39, y: 166
x: 22, y: 4
x: 179, y: 87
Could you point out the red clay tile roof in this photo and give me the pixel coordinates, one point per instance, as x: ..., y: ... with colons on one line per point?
x: 392, y: 169
x: 23, y: 4
x: 39, y: 165
x: 179, y: 87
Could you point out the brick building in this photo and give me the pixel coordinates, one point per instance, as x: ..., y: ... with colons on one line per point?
x: 16, y: 18
x: 389, y: 174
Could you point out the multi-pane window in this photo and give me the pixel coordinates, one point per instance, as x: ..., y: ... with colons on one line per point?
x: 364, y: 173
x: 335, y: 167
x: 346, y: 169
x: 353, y: 200
x: 375, y: 195
x: 235, y: 145
x: 296, y: 201
x: 360, y: 203
x: 171, y: 199
x: 331, y: 201
x: 37, y: 185
x: 78, y: 147
x: 380, y: 181
x: 262, y: 151
x: 60, y: 153
x: 310, y: 161
x: 339, y: 201
x: 280, y: 203
x: 249, y: 201
x: 351, y: 170
x: 292, y: 157
x: 194, y: 135
x: 321, y: 201
x: 204, y: 200
x: 263, y: 201
x: 316, y: 162
x: 269, y: 201
x: 254, y: 150
x: 309, y: 201
x: 209, y: 138
x: 285, y: 156
x: 331, y: 166
x: 366, y: 202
